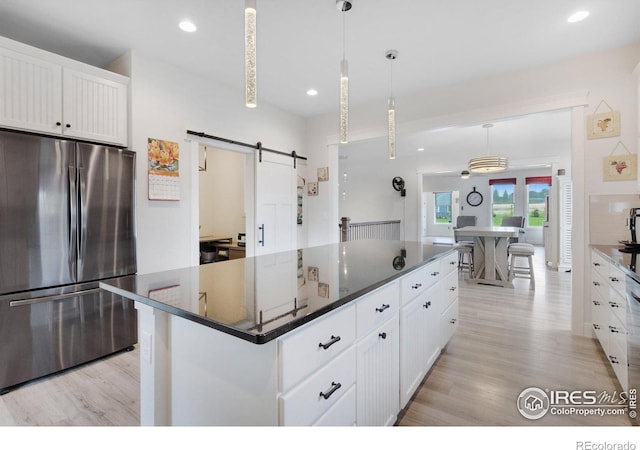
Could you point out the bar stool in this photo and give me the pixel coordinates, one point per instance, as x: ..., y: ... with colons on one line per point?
x: 522, y: 250
x: 465, y: 256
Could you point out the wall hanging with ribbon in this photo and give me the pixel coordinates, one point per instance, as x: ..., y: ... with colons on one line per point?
x: 603, y: 124
x: 620, y: 167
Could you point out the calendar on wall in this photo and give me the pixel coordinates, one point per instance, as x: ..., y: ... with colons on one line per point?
x: 164, y: 169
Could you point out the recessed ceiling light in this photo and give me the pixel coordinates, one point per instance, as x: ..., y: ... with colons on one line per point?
x: 578, y: 16
x: 421, y: 149
x: 187, y: 26
x: 312, y: 92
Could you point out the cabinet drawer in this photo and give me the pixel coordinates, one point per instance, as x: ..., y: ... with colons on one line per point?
x: 449, y: 290
x: 305, y: 403
x: 376, y: 308
x: 617, y: 279
x: 617, y: 305
x: 342, y: 414
x: 599, y: 264
x: 302, y: 351
x: 449, y: 263
x: 414, y: 284
x: 449, y: 323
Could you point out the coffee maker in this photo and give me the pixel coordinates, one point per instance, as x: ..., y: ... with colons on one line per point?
x: 633, y: 244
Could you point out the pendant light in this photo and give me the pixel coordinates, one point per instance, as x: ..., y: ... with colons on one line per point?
x: 250, y: 53
x: 344, y: 6
x: 488, y: 163
x: 391, y: 55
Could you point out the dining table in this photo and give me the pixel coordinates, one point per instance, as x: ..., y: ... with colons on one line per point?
x: 490, y: 253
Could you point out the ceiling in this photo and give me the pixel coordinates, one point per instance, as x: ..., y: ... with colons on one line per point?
x: 440, y: 43
x: 300, y: 41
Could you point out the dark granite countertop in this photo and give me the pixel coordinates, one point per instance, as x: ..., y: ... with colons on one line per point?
x: 628, y: 261
x: 263, y: 297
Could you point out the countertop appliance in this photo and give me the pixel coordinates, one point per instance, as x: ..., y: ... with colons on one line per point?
x: 634, y: 213
x: 67, y: 220
x: 633, y: 342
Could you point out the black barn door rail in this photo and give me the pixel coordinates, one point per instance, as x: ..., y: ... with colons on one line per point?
x: 258, y: 146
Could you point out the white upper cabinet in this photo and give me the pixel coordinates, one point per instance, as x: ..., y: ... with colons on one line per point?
x: 40, y: 94
x: 94, y: 108
x: 30, y: 93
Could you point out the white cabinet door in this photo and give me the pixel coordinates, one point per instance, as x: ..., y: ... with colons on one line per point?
x: 30, y: 93
x: 419, y: 341
x: 94, y: 108
x: 377, y: 380
x: 276, y: 204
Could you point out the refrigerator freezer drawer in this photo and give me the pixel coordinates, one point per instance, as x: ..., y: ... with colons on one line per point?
x: 41, y: 337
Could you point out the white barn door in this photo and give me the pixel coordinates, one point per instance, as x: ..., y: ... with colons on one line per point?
x: 276, y: 204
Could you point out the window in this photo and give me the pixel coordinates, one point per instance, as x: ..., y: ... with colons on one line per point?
x: 502, y: 199
x: 442, y: 207
x: 537, y: 192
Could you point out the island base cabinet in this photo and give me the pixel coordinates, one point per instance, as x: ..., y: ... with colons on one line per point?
x: 377, y: 380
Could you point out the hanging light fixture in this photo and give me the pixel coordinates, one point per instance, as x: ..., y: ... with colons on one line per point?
x: 344, y: 6
x: 488, y: 163
x: 391, y: 55
x: 250, y: 53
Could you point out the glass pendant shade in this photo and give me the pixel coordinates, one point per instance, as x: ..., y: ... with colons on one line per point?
x: 344, y: 101
x: 250, y: 53
x: 391, y: 125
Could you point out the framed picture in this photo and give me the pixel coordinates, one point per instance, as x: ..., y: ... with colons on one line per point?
x: 312, y: 273
x: 300, y: 192
x: 312, y: 188
x: 620, y: 167
x: 603, y: 125
x: 323, y: 290
x: 323, y: 174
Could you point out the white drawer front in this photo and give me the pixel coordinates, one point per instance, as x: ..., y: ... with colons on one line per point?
x: 376, y: 308
x: 413, y: 284
x: 599, y: 264
x: 302, y: 351
x: 305, y: 403
x: 449, y: 263
x: 617, y: 351
x: 617, y: 279
x: 617, y: 305
x: 342, y: 414
x: 449, y: 290
x: 449, y: 323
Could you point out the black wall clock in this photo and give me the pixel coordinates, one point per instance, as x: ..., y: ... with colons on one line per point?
x: 474, y: 198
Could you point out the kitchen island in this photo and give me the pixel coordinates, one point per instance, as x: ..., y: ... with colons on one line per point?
x: 293, y: 338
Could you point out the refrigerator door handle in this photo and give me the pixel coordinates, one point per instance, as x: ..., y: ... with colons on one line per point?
x: 50, y: 298
x: 73, y: 223
x: 82, y: 243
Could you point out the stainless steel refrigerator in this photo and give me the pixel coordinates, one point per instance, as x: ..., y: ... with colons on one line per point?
x: 67, y: 220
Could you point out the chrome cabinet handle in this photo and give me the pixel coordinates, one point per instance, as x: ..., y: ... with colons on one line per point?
x: 384, y: 306
x: 333, y: 340
x: 329, y: 393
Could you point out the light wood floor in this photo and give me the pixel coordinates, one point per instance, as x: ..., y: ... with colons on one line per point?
x: 507, y: 340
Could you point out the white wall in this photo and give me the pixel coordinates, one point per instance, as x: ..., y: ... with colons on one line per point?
x: 166, y: 101
x: 604, y: 75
